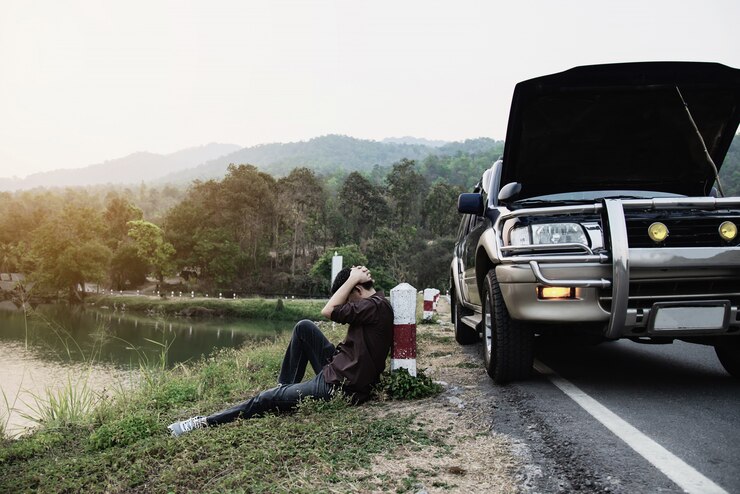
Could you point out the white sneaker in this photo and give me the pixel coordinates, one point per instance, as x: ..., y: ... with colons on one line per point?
x: 179, y: 428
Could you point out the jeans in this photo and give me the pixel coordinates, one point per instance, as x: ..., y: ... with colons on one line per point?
x: 307, y: 345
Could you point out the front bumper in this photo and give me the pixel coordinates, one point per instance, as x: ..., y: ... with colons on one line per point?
x: 620, y: 288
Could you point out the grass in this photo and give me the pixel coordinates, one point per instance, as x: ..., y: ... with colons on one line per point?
x: 72, y: 403
x: 253, y: 308
x: 121, y: 444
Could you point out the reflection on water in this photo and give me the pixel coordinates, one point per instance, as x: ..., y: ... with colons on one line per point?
x: 26, y: 379
x: 55, y: 345
x: 64, y: 334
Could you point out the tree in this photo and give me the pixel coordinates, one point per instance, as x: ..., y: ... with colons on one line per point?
x: 151, y: 247
x: 390, y: 250
x: 69, y: 250
x: 430, y: 264
x: 406, y: 190
x: 351, y: 256
x: 8, y: 259
x: 127, y: 269
x: 118, y: 213
x: 302, y: 203
x: 247, y: 205
x: 440, y: 216
x: 362, y: 206
x: 217, y: 256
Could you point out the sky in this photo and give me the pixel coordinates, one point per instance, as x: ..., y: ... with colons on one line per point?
x: 84, y: 81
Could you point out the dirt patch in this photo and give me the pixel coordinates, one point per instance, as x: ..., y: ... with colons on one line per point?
x: 467, y: 456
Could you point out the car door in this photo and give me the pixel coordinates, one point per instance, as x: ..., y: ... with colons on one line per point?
x: 475, y: 228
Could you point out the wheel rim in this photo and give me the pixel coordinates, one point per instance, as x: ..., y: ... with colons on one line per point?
x: 488, y: 330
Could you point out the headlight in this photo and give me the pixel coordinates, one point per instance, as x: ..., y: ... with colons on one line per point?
x: 549, y: 233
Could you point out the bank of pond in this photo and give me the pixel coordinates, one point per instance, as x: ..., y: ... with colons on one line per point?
x: 118, y: 441
x: 44, y: 347
x: 184, y: 306
x: 130, y: 330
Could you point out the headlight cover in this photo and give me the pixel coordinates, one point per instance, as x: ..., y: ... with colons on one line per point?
x: 549, y: 233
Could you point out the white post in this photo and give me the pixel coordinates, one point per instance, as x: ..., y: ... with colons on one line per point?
x: 403, y: 354
x: 429, y: 303
x: 336, y: 266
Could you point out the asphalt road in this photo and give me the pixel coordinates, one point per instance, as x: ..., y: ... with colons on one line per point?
x: 678, y: 395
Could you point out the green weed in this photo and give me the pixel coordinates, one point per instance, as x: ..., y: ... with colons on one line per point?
x: 400, y: 385
x: 124, y: 431
x: 71, y: 404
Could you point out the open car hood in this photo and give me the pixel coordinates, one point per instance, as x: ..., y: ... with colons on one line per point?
x: 621, y: 127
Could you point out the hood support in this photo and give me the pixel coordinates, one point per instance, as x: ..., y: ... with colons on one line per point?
x: 710, y: 161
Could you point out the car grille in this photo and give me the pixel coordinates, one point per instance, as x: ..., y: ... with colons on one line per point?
x: 683, y: 232
x: 643, y: 294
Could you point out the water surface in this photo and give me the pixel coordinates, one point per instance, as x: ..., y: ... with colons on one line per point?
x: 65, y: 334
x: 43, y: 351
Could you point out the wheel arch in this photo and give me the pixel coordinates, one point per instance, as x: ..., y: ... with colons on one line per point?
x: 483, y: 265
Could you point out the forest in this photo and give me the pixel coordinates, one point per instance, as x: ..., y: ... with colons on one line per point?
x: 251, y: 233
x: 248, y: 233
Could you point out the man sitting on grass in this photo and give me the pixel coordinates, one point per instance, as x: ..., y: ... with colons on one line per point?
x: 353, y: 367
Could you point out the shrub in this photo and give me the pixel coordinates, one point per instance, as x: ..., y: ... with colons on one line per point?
x: 400, y: 385
x: 123, y: 432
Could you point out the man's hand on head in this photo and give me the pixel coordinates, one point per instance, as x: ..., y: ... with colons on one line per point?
x: 357, y: 276
x: 360, y: 274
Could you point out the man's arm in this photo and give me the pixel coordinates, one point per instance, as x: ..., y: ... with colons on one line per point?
x: 358, y: 274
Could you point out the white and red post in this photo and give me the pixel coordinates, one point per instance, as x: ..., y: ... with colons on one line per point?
x: 431, y: 296
x: 403, y: 352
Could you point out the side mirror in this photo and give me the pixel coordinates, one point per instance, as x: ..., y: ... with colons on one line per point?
x: 509, y: 192
x: 470, y: 203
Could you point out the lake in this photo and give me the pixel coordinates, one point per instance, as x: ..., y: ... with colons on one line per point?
x: 56, y: 344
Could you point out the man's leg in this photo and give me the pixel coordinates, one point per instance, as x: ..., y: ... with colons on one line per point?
x: 308, y: 344
x: 279, y: 399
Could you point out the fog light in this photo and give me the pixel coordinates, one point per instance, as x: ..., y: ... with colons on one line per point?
x: 728, y: 230
x: 555, y: 292
x: 657, y: 232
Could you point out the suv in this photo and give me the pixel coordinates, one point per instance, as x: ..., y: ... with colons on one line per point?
x: 601, y: 220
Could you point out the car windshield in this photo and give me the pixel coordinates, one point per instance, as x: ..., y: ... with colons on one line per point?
x: 592, y: 195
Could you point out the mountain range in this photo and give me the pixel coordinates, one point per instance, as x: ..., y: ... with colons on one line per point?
x: 325, y: 155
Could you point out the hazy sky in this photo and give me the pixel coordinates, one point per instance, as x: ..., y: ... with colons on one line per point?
x: 86, y: 81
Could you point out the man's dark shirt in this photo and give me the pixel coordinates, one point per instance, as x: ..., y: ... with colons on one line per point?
x: 360, y: 359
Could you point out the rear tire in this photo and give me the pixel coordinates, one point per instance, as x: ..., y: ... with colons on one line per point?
x: 728, y: 353
x: 507, y: 343
x: 464, y: 334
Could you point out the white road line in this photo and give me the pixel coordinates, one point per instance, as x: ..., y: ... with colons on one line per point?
x: 684, y: 475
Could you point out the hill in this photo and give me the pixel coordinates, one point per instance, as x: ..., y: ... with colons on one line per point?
x: 326, y: 155
x: 134, y: 168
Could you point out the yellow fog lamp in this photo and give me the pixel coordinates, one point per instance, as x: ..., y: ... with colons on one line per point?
x: 555, y: 292
x: 728, y: 230
x: 657, y: 232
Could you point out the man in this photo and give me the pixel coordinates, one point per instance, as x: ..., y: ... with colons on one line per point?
x: 353, y: 366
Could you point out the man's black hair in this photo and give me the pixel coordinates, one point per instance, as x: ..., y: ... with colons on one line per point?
x: 342, y: 277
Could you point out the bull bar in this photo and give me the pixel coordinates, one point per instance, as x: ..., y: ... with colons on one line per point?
x: 617, y: 256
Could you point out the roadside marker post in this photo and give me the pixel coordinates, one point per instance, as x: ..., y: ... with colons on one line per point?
x: 430, y: 302
x: 336, y: 266
x: 403, y: 353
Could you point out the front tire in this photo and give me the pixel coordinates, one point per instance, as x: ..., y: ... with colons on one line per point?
x: 728, y: 353
x: 464, y: 334
x: 507, y: 343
